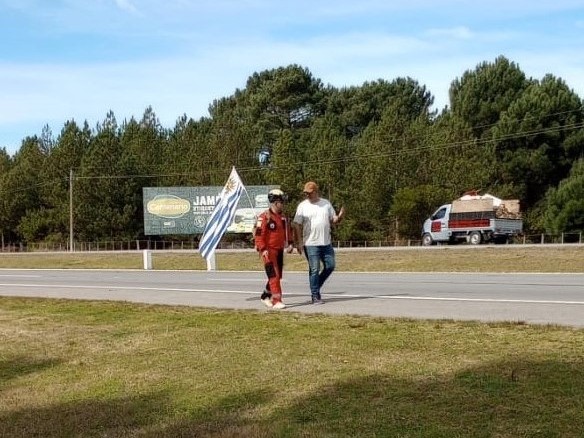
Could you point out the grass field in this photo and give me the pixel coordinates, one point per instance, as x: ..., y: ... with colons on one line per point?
x: 95, y: 369
x: 512, y: 258
x: 104, y: 369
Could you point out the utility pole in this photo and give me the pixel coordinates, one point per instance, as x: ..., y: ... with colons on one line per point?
x: 71, y: 246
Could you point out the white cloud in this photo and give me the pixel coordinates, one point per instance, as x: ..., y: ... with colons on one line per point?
x: 459, y: 32
x: 126, y: 5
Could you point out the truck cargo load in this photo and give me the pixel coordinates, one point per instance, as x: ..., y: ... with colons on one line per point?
x: 474, y: 218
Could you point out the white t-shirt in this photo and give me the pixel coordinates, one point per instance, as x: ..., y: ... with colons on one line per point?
x: 316, y: 221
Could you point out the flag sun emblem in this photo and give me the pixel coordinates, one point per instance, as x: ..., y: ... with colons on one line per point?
x: 229, y: 185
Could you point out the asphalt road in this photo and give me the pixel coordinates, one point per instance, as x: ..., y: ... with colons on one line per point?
x: 529, y: 298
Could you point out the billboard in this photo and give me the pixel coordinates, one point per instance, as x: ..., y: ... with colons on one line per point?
x: 186, y: 210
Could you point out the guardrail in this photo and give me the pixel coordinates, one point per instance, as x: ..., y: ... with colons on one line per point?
x: 140, y: 245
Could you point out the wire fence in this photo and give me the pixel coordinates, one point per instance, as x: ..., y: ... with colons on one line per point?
x: 192, y: 245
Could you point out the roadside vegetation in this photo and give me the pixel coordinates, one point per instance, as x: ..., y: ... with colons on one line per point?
x: 510, y: 258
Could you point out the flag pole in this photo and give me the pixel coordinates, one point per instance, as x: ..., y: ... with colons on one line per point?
x: 211, y: 262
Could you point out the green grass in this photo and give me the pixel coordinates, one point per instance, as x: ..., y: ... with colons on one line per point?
x: 512, y: 258
x: 96, y: 369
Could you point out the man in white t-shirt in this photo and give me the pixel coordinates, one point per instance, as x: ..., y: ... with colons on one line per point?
x: 312, y: 225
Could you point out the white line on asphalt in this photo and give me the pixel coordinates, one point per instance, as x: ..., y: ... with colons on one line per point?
x: 240, y: 292
x: 480, y: 300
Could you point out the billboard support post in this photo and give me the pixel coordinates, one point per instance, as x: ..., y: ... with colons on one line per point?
x: 147, y: 257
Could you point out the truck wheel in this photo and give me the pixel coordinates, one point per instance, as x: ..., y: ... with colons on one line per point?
x: 427, y: 240
x: 475, y: 238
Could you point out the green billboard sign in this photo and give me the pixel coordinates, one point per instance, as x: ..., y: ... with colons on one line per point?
x: 186, y: 210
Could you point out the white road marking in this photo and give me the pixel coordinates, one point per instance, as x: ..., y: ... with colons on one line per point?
x: 235, y: 280
x: 480, y: 300
x: 240, y: 292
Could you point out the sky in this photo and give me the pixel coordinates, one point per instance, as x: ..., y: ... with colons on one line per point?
x: 63, y: 60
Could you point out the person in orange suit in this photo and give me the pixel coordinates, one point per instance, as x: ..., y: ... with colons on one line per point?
x: 273, y: 236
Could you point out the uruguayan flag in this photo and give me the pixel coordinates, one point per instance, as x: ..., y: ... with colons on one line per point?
x: 222, y: 215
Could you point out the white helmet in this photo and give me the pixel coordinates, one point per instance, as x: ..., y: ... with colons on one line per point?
x: 277, y: 195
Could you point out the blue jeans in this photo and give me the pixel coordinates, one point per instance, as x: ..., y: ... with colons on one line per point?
x: 315, y: 256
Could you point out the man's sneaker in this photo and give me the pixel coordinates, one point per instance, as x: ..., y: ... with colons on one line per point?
x: 279, y: 305
x: 317, y: 301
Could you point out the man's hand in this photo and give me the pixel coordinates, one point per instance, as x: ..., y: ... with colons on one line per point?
x: 339, y: 217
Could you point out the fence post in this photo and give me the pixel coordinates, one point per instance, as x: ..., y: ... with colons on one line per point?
x: 542, y: 238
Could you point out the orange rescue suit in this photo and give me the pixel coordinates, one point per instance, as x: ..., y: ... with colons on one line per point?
x: 272, y: 234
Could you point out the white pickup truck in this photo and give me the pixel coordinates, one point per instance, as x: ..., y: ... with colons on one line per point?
x: 473, y: 222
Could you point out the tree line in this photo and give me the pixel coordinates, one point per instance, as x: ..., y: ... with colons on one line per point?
x: 378, y: 149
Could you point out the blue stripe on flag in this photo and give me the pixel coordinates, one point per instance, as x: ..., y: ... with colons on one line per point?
x: 222, y: 215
